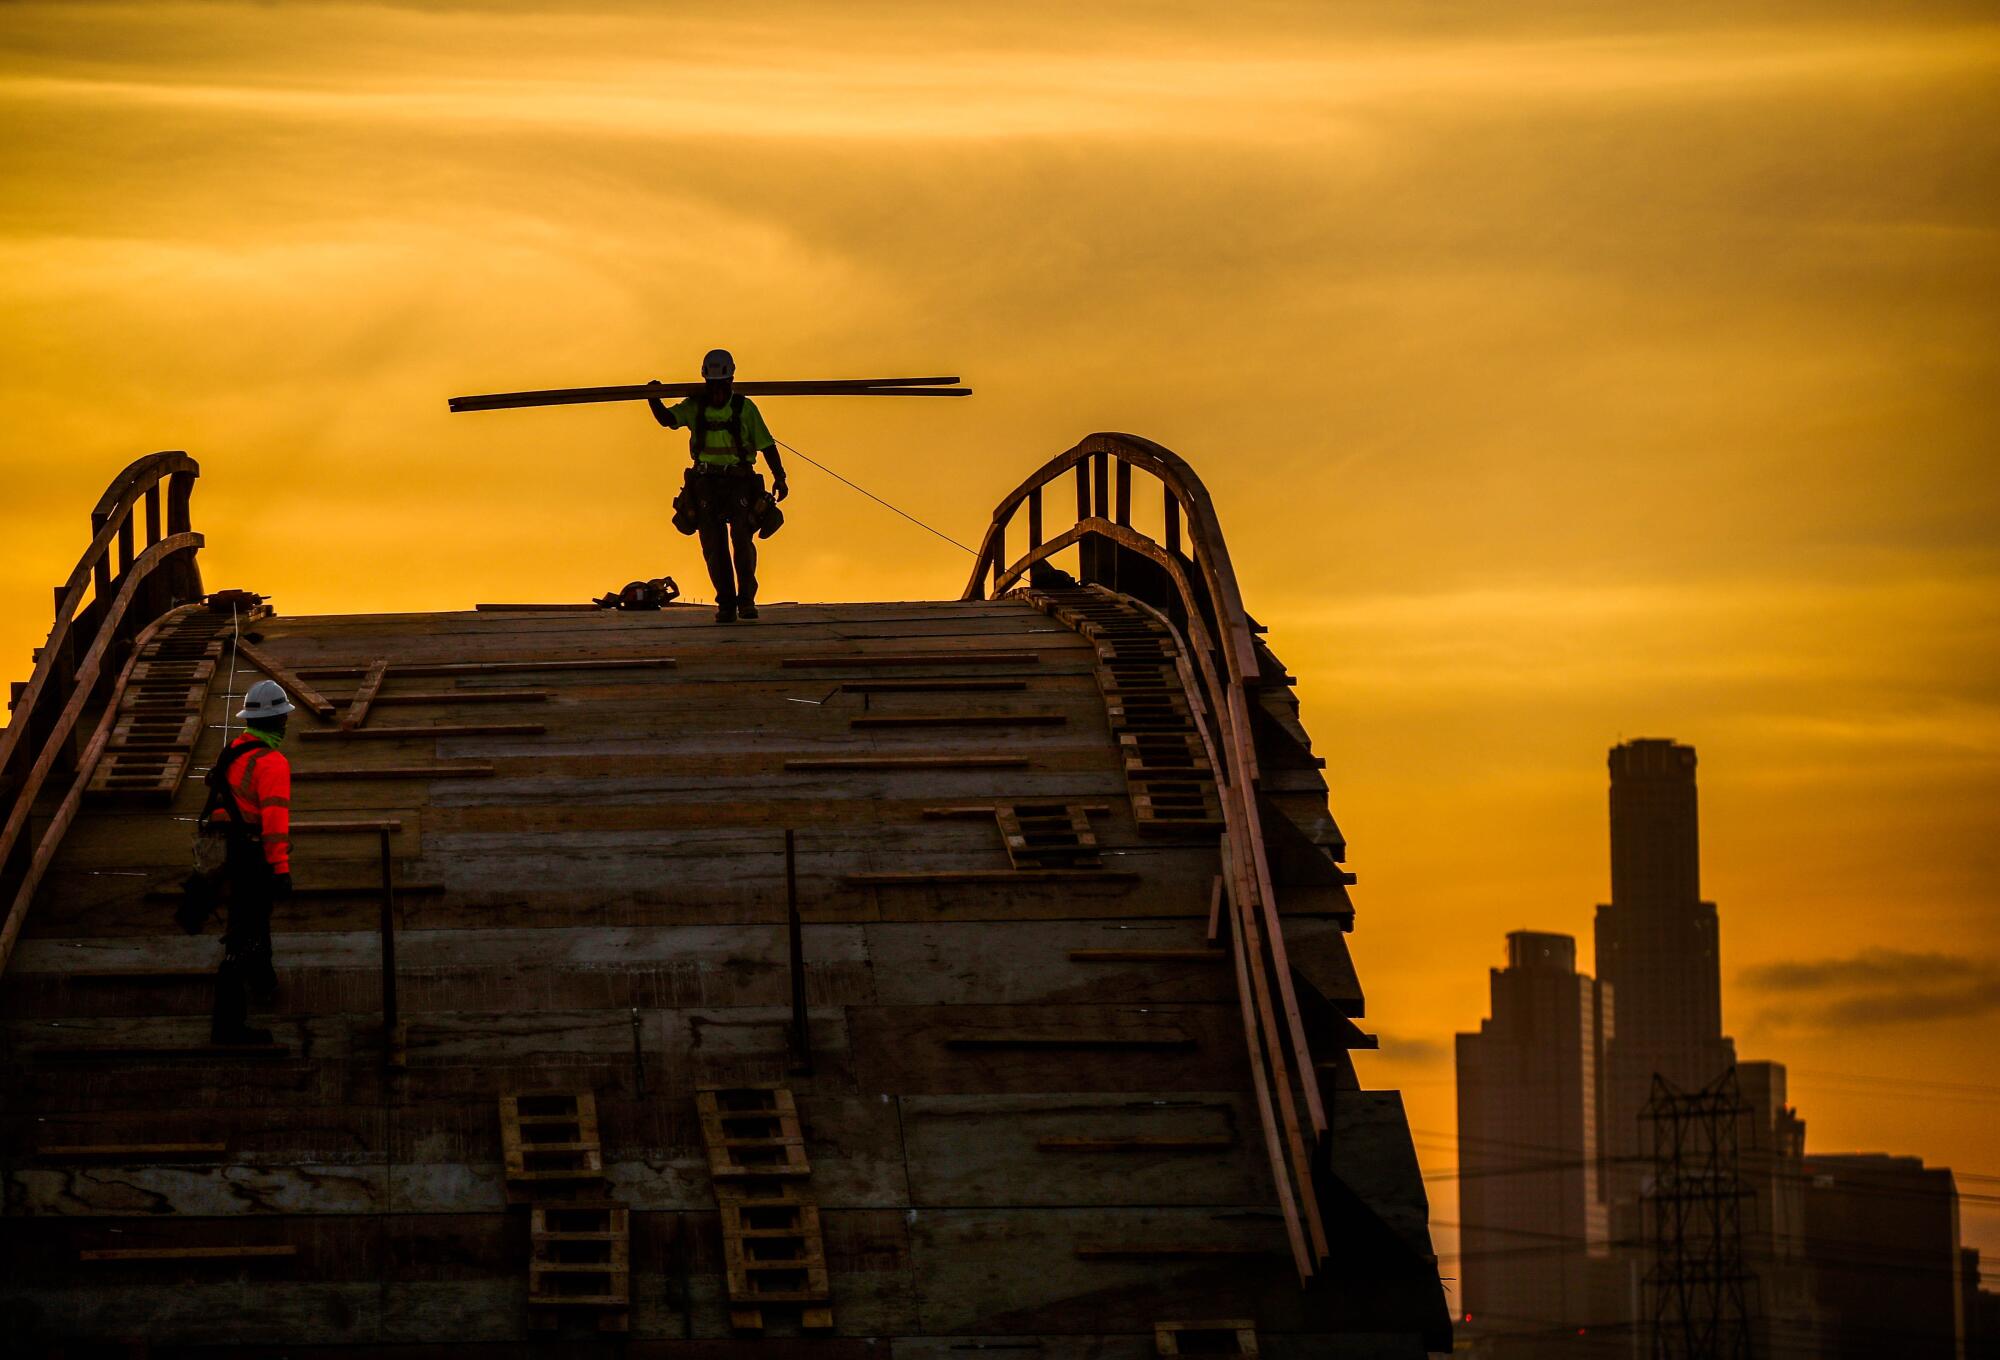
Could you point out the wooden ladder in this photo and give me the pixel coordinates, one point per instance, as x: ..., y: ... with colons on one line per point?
x: 161, y: 712
x: 1167, y: 770
x: 579, y: 1238
x: 773, y: 1252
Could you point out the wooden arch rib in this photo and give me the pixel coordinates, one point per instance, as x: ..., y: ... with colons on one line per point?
x: 37, y: 716
x: 1207, y: 593
x: 1195, y: 506
x: 110, y: 522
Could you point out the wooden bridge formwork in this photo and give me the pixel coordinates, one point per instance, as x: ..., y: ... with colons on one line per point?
x: 996, y: 946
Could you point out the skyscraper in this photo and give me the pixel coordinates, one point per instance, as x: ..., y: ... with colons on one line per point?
x: 1531, y: 1200
x: 1656, y: 946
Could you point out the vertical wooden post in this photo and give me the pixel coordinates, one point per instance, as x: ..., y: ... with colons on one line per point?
x: 1100, y: 476
x: 152, y: 514
x: 999, y: 556
x: 392, y: 1043
x: 1083, y: 488
x: 1035, y: 519
x: 125, y: 527
x: 1172, y: 509
x: 179, y: 487
x: 100, y: 574
x: 1124, y: 492
x: 801, y: 1036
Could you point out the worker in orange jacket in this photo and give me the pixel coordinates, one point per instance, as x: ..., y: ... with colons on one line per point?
x: 251, y: 793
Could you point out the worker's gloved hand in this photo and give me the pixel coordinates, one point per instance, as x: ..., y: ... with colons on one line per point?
x: 281, y: 887
x: 779, y: 490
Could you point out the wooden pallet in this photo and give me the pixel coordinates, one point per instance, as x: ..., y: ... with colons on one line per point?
x: 550, y: 1143
x: 579, y: 1261
x: 1048, y: 836
x: 773, y: 1252
x: 751, y: 1131
x: 1167, y: 770
x: 1218, y: 1336
x: 161, y: 712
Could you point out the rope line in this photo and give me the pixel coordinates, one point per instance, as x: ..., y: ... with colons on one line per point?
x: 877, y: 499
x: 229, y: 694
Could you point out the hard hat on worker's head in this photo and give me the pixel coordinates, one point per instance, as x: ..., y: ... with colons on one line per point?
x: 265, y: 700
x: 717, y: 364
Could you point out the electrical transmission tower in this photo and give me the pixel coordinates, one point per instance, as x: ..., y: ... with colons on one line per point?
x: 1697, y: 1289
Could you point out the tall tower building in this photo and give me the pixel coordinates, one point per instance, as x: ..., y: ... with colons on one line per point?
x: 1531, y: 1198
x: 1656, y: 944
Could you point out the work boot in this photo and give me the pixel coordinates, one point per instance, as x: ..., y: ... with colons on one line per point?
x: 746, y: 610
x: 725, y: 613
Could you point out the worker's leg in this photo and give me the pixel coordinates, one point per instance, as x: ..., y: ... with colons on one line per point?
x: 254, y: 948
x: 246, y: 961
x: 743, y: 537
x: 717, y: 555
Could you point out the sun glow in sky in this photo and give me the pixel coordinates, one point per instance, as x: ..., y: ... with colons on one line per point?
x: 1562, y: 373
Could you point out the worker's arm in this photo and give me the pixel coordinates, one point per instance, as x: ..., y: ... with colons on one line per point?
x: 272, y: 784
x: 659, y: 409
x: 760, y: 438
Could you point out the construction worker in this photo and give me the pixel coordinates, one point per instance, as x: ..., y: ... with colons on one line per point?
x: 726, y: 432
x: 250, y: 790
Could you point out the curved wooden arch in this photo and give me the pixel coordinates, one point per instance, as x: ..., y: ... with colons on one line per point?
x: 110, y: 520
x: 1223, y: 650
x: 124, y: 600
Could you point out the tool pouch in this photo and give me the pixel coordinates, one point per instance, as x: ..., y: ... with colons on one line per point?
x: 687, y: 505
x: 766, y: 515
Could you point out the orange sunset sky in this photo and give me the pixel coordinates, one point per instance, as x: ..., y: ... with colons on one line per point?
x: 1562, y: 373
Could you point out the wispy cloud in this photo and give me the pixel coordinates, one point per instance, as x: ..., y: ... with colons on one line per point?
x: 1876, y: 986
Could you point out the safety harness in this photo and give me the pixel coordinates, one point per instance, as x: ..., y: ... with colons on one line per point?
x: 735, y: 456
x: 238, y: 833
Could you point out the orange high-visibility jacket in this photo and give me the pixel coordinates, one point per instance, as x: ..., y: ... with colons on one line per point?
x: 262, y: 782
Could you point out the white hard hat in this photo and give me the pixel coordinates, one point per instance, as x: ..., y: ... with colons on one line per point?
x: 266, y: 699
x: 717, y: 364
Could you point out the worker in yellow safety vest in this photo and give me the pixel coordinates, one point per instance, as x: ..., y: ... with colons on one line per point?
x: 723, y: 496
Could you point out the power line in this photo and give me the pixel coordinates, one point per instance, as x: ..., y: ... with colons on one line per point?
x: 1807, y: 1160
x: 878, y: 500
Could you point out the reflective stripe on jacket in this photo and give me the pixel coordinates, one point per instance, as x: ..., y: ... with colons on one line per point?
x: 262, y: 782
